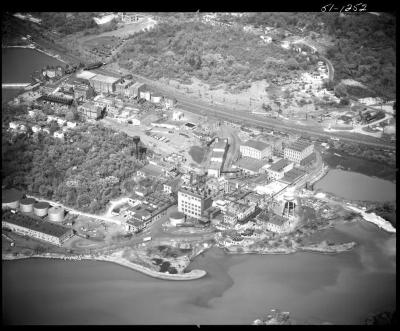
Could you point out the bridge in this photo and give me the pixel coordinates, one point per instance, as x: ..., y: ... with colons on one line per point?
x: 15, y: 85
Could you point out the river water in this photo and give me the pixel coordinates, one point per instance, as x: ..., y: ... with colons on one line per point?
x: 17, y: 66
x: 340, y: 289
x: 355, y: 186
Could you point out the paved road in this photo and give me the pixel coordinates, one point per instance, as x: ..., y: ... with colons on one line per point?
x: 244, y: 117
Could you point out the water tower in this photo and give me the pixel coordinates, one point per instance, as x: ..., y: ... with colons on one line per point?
x: 136, y: 140
x: 289, y: 206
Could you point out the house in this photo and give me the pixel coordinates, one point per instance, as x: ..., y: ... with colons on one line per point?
x: 60, y: 121
x: 171, y: 186
x: 90, y: 111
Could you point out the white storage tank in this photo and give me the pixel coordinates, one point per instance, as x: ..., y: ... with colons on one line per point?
x: 40, y: 208
x: 10, y: 198
x: 176, y: 218
x: 56, y: 214
x: 26, y: 205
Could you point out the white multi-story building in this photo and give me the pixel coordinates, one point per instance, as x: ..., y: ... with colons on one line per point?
x: 256, y: 149
x: 298, y: 151
x: 193, y: 202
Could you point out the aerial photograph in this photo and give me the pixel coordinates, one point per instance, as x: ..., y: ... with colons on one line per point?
x: 199, y: 168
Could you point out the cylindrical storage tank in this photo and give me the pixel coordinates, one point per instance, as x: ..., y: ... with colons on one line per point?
x: 11, y: 198
x: 177, y: 218
x: 56, y: 214
x: 40, y: 208
x: 26, y: 205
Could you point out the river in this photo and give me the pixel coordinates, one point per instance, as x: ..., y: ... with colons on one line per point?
x: 315, y: 288
x: 355, y: 186
x: 17, y: 66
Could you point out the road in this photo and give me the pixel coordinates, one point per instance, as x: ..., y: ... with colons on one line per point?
x: 331, y: 70
x: 244, y: 117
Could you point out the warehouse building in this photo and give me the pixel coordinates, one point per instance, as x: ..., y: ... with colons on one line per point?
x: 237, y: 211
x: 256, y: 150
x: 136, y: 88
x: 122, y: 87
x: 103, y: 84
x: 277, y: 170
x: 298, y: 151
x: 251, y: 165
x: 46, y: 231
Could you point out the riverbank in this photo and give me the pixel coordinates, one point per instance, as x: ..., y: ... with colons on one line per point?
x: 117, y: 259
x: 321, y: 247
x: 33, y: 46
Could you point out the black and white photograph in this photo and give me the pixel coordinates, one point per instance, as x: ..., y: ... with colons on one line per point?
x: 199, y: 167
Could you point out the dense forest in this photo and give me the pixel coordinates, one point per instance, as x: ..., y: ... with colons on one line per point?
x: 92, y: 166
x: 365, y: 51
x: 212, y: 54
x: 66, y: 23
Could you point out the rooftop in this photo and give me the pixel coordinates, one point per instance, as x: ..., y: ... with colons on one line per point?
x: 259, y: 145
x: 214, y: 165
x: 251, y: 164
x: 279, y: 165
x: 292, y: 175
x: 217, y: 154
x: 105, y: 79
x: 85, y: 74
x: 221, y: 143
x: 40, y: 226
x: 11, y: 195
x: 299, y: 145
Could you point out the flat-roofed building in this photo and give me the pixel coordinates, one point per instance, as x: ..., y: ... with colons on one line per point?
x: 292, y: 175
x: 278, y: 169
x: 214, y: 169
x: 220, y: 145
x: 251, y: 165
x: 217, y: 156
x: 42, y: 230
x: 256, y: 149
x: 136, y: 88
x: 275, y: 142
x: 122, y: 87
x: 103, y: 84
x: 298, y: 150
x: 83, y: 91
x: 193, y: 202
x: 237, y: 211
x: 90, y: 111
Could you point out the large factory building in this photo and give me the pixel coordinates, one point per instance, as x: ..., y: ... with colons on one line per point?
x: 104, y: 84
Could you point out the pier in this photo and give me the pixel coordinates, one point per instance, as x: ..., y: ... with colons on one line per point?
x: 15, y: 85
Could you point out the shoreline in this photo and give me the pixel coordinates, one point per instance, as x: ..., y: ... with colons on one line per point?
x: 33, y: 46
x: 192, y: 275
x: 334, y: 249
